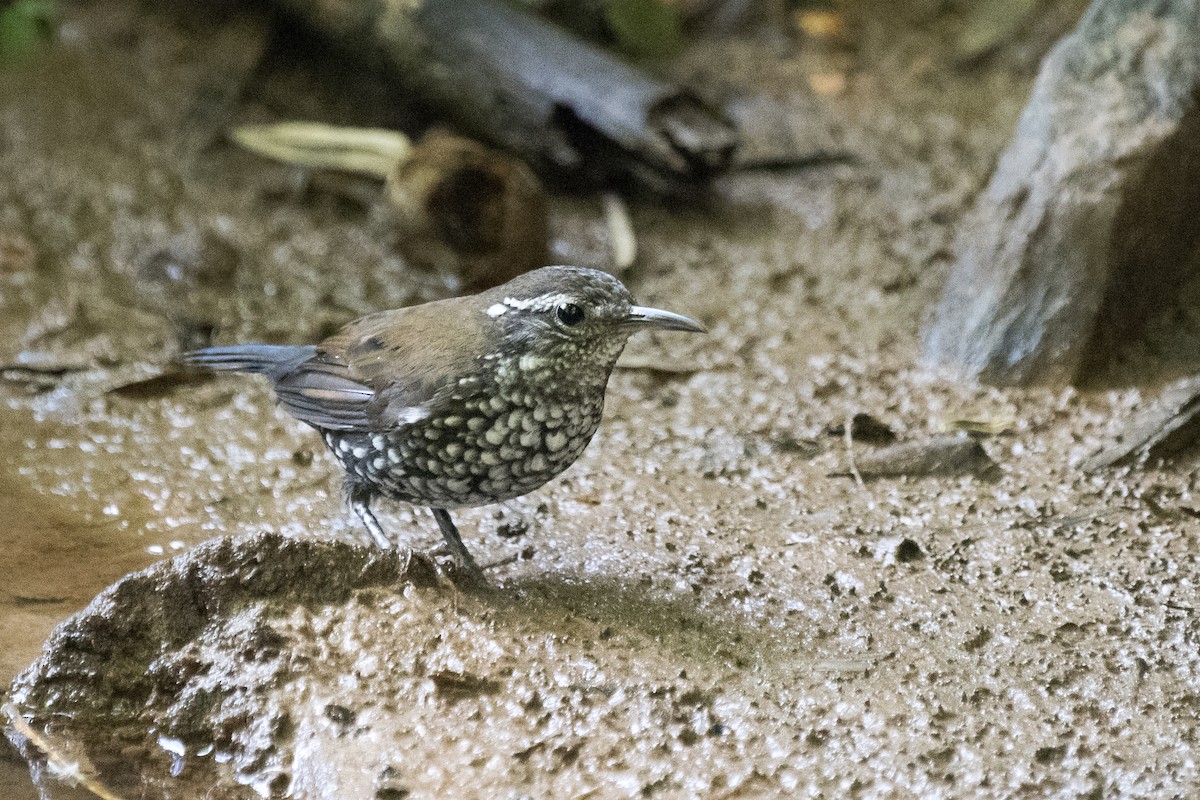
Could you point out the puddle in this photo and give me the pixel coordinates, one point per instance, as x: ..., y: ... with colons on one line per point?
x: 14, y: 775
x: 59, y: 553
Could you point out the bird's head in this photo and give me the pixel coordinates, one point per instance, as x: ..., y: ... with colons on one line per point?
x: 571, y: 317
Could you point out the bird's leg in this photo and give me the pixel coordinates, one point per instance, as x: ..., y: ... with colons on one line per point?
x: 360, y: 501
x: 458, y: 550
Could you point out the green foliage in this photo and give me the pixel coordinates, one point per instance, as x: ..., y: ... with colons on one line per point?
x: 25, y: 25
x: 645, y: 27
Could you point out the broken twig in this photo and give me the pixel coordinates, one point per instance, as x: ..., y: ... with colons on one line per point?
x: 621, y: 238
x: 849, y: 436
x: 1165, y: 425
x: 942, y: 455
x: 76, y: 771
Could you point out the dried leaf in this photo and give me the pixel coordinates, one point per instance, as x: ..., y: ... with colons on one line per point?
x: 981, y: 426
x: 369, y: 151
x: 827, y: 84
x: 821, y: 23
x: 621, y: 238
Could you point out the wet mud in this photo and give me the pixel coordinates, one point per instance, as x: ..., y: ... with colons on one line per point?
x: 708, y: 604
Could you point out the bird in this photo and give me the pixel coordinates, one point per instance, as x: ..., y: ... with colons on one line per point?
x: 461, y: 402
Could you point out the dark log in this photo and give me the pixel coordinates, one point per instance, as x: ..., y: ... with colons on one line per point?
x: 505, y: 76
x: 1092, y: 212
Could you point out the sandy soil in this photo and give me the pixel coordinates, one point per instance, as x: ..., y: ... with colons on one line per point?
x: 706, y: 605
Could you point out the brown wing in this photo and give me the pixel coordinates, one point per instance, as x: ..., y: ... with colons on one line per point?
x: 321, y: 392
x: 386, y: 369
x: 310, y: 385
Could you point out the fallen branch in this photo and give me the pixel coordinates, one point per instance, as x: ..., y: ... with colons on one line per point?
x: 505, y: 76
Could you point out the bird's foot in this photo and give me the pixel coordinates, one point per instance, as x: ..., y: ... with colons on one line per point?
x: 469, y: 577
x: 465, y: 574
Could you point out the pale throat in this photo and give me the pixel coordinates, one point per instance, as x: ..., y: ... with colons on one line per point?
x: 576, y: 373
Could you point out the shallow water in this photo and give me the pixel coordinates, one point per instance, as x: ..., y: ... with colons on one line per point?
x: 14, y: 777
x: 60, y: 550
x: 60, y: 547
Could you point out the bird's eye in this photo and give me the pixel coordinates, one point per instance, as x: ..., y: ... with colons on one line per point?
x: 569, y: 314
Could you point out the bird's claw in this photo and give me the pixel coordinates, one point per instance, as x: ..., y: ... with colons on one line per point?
x: 466, y: 576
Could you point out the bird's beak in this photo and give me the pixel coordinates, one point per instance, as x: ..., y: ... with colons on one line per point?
x: 642, y: 317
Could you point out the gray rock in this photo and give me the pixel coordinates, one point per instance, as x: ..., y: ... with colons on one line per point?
x: 185, y: 649
x: 1091, y: 211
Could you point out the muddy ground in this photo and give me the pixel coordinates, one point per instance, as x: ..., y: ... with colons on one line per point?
x: 706, y: 605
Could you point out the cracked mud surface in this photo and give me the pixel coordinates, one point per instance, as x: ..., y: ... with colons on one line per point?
x: 707, y: 604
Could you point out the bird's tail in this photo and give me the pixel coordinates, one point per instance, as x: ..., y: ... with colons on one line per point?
x: 271, y: 360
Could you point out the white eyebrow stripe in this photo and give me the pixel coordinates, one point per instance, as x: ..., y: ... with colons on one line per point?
x: 545, y: 301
